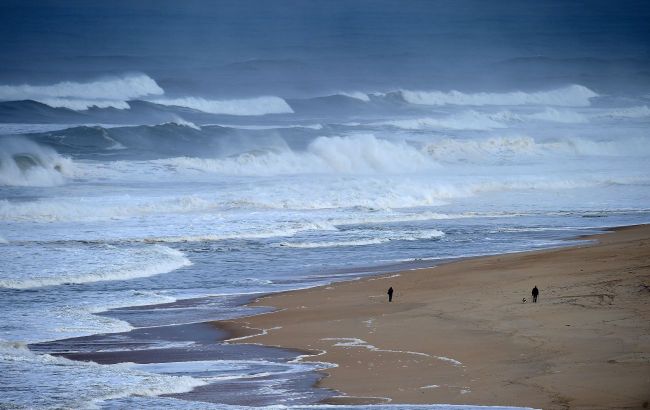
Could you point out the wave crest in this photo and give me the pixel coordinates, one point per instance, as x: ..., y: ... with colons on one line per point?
x: 571, y: 96
x: 361, y: 154
x: 25, y: 163
x: 250, y: 106
x: 414, y: 236
x: 106, y: 92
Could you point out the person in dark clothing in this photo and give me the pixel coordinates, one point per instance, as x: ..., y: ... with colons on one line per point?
x: 535, y: 293
x: 390, y: 294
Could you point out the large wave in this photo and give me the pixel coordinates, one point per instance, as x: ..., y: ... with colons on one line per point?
x: 572, y: 96
x: 367, y: 154
x: 361, y: 154
x: 250, y: 106
x: 106, y: 92
x: 25, y: 163
x: 116, y: 92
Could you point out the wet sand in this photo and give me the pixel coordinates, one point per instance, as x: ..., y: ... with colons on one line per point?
x: 460, y: 333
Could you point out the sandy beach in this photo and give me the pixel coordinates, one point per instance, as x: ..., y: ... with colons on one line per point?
x: 460, y: 333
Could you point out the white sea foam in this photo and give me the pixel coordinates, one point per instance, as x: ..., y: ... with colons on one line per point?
x: 450, y: 360
x: 571, y: 96
x: 362, y: 154
x: 250, y: 106
x: 24, y: 371
x: 228, y: 369
x: 25, y: 163
x: 357, y: 95
x: 355, y: 342
x: 149, y: 261
x: 281, y: 231
x: 431, y: 386
x: 477, y: 150
x: 326, y: 244
x: 180, y: 121
x: 482, y: 121
x: 414, y: 236
x: 85, y: 210
x: 522, y: 148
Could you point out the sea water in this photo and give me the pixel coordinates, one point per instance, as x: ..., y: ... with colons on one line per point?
x: 94, y: 219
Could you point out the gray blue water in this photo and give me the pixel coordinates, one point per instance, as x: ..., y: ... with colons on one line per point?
x: 155, y: 185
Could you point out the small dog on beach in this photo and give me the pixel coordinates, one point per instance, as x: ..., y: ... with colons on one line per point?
x: 523, y: 300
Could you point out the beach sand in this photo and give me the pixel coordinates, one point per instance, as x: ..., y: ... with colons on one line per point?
x: 459, y: 333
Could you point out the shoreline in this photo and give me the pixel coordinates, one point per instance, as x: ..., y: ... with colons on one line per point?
x: 508, y: 357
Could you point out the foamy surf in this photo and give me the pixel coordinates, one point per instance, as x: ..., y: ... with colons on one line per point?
x: 571, y: 96
x: 138, y: 263
x: 111, y: 92
x: 251, y: 106
x: 93, y: 383
x: 389, y: 236
x: 25, y: 163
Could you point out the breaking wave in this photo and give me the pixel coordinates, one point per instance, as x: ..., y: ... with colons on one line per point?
x: 283, y: 230
x: 250, y: 106
x: 150, y: 261
x: 429, y: 234
x: 75, y: 209
x: 483, y: 121
x: 521, y: 148
x: 107, y: 92
x: 183, y: 123
x: 25, y: 163
x: 571, y: 96
x: 357, y: 95
x: 362, y: 154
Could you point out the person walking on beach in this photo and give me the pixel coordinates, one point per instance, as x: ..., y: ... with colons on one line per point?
x: 390, y: 294
x: 535, y: 293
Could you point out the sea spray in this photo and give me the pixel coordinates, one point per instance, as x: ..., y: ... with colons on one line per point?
x: 25, y: 163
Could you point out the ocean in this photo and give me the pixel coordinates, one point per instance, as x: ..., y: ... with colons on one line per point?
x: 133, y: 210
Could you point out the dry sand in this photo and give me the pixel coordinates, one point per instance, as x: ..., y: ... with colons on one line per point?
x: 459, y: 333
